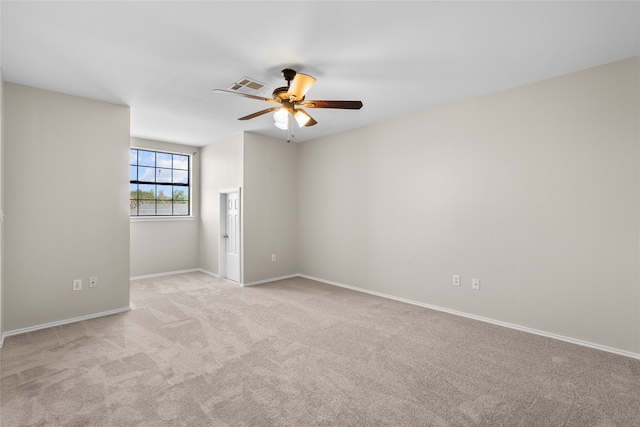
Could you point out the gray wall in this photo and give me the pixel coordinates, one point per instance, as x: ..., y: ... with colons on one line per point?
x: 270, y: 215
x: 535, y: 190
x: 66, y: 209
x: 167, y: 245
x: 266, y: 170
x: 1, y: 201
x: 221, y: 168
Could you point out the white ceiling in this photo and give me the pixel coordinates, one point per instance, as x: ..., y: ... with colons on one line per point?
x: 164, y: 58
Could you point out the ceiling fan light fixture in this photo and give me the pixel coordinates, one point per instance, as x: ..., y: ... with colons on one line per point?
x: 282, y: 125
x: 301, y: 117
x: 301, y: 84
x: 281, y: 116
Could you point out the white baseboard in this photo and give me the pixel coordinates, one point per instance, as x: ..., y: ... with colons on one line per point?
x: 168, y: 273
x: 482, y: 319
x: 342, y: 285
x: 273, y: 279
x: 202, y: 270
x: 171, y: 273
x: 96, y: 315
x: 61, y: 322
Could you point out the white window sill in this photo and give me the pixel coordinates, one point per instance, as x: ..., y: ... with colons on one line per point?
x: 160, y: 218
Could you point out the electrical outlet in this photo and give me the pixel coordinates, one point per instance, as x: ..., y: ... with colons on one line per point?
x: 77, y: 284
x: 475, y: 284
x: 273, y: 257
x: 93, y: 281
x: 456, y: 280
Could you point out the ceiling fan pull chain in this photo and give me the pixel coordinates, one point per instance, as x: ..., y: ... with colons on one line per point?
x: 290, y: 130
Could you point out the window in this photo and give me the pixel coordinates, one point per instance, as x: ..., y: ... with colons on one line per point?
x: 159, y: 183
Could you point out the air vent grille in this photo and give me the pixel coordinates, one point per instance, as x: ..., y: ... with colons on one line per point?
x: 251, y: 87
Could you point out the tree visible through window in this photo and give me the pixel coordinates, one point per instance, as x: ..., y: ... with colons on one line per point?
x: 159, y: 183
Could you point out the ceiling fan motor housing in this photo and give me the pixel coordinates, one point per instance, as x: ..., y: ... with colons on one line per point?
x: 288, y: 75
x: 280, y: 93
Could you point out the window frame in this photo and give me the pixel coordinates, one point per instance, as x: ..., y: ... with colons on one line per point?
x: 155, y: 183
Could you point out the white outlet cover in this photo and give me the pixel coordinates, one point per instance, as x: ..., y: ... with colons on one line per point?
x: 456, y: 280
x: 93, y: 282
x: 475, y: 284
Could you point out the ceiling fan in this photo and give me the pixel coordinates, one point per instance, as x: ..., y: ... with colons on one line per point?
x: 291, y: 98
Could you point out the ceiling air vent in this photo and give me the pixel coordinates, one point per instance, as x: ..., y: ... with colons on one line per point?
x: 251, y: 87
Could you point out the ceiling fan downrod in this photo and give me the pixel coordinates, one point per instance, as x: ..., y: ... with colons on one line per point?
x: 288, y: 75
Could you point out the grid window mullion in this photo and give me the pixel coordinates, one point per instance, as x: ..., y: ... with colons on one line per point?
x: 156, y: 175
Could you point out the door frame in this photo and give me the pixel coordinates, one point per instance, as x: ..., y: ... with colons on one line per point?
x: 222, y: 261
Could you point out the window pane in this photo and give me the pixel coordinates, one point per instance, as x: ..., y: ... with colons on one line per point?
x: 147, y: 191
x: 133, y: 157
x: 164, y: 208
x: 163, y: 175
x: 133, y: 173
x: 180, y: 193
x: 164, y: 192
x: 146, y: 158
x: 133, y: 202
x: 146, y: 174
x: 181, y: 208
x: 147, y: 207
x: 163, y: 160
x: 180, y: 177
x: 180, y: 161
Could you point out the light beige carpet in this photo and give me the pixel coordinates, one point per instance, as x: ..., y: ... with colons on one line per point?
x: 198, y: 351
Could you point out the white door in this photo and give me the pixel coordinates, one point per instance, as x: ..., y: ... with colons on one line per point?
x: 232, y: 238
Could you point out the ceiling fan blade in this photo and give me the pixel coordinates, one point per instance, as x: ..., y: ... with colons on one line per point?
x: 344, y: 105
x: 259, y: 113
x: 246, y: 95
x: 300, y: 85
